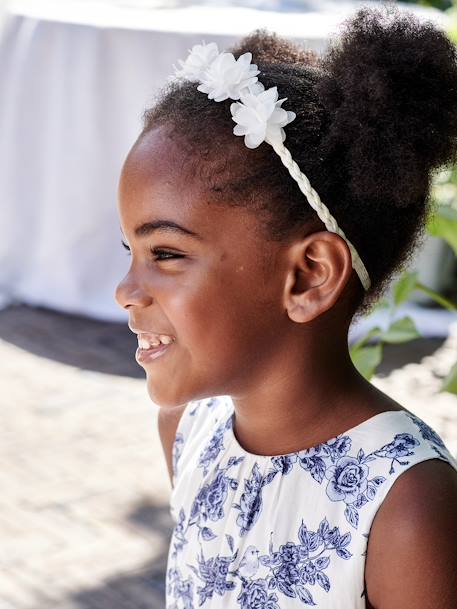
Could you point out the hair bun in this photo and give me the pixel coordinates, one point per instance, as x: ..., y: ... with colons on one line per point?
x: 389, y: 86
x: 270, y: 48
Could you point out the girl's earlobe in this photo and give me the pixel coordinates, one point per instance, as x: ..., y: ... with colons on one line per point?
x: 300, y: 298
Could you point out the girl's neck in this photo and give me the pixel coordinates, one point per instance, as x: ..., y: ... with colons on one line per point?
x: 302, y: 404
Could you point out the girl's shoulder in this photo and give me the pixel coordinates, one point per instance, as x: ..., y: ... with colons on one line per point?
x: 411, y: 548
x: 412, y: 526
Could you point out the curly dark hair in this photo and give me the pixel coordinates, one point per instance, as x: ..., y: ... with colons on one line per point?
x: 376, y: 115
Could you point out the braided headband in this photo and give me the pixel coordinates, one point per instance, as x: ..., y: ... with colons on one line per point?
x: 259, y: 118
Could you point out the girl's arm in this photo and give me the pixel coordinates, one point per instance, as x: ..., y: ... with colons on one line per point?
x: 167, y: 422
x: 412, y: 549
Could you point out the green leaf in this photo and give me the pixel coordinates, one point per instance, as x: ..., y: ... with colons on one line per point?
x: 443, y: 224
x: 375, y: 331
x: 444, y: 302
x: 367, y: 359
x: 450, y: 382
x: 400, y: 331
x: 404, y: 286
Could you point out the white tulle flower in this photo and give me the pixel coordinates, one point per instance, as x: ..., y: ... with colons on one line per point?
x: 198, y: 61
x: 227, y: 76
x: 259, y: 116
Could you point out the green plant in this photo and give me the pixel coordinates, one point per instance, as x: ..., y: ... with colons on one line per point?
x: 442, y: 223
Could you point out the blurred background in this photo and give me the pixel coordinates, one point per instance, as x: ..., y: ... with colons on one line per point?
x: 84, y: 520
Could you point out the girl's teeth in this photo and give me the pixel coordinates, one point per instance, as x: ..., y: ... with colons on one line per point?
x: 145, y: 343
x: 166, y: 340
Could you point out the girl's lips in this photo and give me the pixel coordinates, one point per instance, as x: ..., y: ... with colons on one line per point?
x: 145, y: 356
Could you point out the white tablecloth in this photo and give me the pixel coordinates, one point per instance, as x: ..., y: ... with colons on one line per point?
x: 74, y: 80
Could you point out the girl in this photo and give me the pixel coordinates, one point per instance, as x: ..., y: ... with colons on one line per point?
x: 295, y: 481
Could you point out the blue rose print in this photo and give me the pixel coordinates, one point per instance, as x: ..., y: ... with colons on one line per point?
x: 347, y: 479
x: 349, y: 482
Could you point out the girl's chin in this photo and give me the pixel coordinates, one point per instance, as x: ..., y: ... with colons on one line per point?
x: 160, y: 396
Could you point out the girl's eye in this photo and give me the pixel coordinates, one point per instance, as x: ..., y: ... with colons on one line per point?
x: 163, y: 254
x: 159, y: 253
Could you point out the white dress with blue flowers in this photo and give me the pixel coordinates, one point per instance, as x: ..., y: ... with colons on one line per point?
x: 281, y: 532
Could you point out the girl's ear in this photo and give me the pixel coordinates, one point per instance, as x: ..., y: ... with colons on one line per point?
x: 320, y: 266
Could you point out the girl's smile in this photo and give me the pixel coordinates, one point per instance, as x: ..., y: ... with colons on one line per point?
x: 151, y: 346
x: 145, y: 355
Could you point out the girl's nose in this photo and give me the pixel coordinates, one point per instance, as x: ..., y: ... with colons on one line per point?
x: 130, y: 292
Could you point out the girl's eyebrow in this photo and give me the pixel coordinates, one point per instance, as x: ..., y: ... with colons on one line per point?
x: 165, y: 225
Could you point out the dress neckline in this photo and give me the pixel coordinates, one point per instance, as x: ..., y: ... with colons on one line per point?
x: 303, y: 451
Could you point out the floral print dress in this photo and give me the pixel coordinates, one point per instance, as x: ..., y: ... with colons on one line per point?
x: 281, y: 532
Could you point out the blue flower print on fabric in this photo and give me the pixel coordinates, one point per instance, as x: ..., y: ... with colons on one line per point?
x: 250, y: 505
x: 180, y: 589
x: 349, y: 476
x: 208, y: 505
x: 313, y: 459
x: 210, y: 499
x: 292, y: 570
x: 430, y: 436
x: 213, y: 448
x: 178, y: 443
x: 179, y: 533
x: 348, y: 479
x: 297, y: 565
x: 427, y: 432
x: 401, y: 446
x: 255, y: 595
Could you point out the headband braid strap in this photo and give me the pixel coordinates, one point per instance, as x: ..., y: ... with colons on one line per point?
x: 321, y: 209
x: 259, y: 118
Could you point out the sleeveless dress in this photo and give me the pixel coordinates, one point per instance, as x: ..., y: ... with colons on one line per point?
x: 281, y: 532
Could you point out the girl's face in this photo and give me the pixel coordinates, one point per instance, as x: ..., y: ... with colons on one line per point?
x: 215, y: 285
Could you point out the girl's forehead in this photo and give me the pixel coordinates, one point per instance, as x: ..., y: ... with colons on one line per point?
x: 155, y: 185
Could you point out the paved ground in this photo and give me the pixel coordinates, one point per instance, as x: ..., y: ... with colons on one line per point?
x: 84, y: 520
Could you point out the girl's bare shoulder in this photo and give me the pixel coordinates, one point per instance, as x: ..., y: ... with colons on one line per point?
x: 411, y: 556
